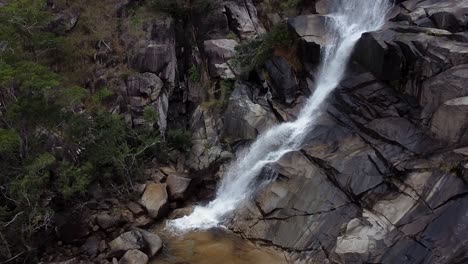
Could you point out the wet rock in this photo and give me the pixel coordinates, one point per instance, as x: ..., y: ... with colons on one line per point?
x: 219, y: 52
x: 134, y: 257
x: 177, y: 185
x: 153, y: 243
x: 180, y: 212
x: 154, y: 199
x: 299, y: 210
x: 450, y: 122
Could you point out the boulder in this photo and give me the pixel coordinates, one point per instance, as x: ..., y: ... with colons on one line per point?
x: 244, y: 118
x: 135, y: 208
x: 153, y: 243
x: 450, y: 121
x: 126, y: 241
x: 219, y: 52
x: 134, y: 257
x: 243, y: 20
x: 206, y: 127
x: 64, y: 21
x: 106, y: 221
x: 213, y: 23
x: 177, y: 185
x: 91, y: 246
x: 144, y: 84
x: 155, y: 199
x: 157, y: 54
x: 311, y: 30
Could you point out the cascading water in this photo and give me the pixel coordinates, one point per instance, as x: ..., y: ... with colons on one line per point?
x: 345, y: 24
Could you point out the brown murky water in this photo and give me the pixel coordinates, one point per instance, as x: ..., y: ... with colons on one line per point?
x: 214, y: 247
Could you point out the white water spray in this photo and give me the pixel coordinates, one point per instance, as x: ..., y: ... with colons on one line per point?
x: 345, y: 25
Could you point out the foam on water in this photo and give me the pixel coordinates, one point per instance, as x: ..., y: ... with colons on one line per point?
x: 346, y: 23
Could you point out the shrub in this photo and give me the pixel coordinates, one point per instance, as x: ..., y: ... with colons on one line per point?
x: 9, y: 142
x: 256, y: 52
x: 194, y: 73
x: 179, y: 139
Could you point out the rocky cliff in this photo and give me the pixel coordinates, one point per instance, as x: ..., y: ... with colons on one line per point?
x: 383, y: 176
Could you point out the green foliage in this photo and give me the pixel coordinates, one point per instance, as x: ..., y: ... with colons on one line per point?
x: 73, y: 180
x: 150, y: 115
x: 34, y: 180
x: 48, y: 148
x: 255, y: 53
x: 55, y: 136
x: 9, y: 142
x: 22, y: 26
x: 101, y: 95
x: 194, y: 73
x: 179, y: 139
x: 220, y: 98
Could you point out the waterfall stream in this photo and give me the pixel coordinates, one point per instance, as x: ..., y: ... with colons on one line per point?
x: 345, y: 24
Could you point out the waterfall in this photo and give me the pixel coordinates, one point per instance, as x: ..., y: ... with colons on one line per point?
x: 347, y: 21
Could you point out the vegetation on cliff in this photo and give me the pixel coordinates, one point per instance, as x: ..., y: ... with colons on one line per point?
x: 56, y: 137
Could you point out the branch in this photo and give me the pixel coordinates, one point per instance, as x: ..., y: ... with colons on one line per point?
x: 14, y: 218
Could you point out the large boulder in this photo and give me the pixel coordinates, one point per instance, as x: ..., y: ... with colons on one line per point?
x: 243, y: 19
x: 157, y: 53
x: 152, y: 242
x: 450, y: 121
x: 311, y: 30
x: 177, y: 184
x: 126, y: 241
x: 219, y: 52
x: 144, y: 90
x: 144, y: 84
x: 155, y: 199
x: 138, y: 239
x: 64, y: 21
x: 244, y: 118
x: 206, y: 127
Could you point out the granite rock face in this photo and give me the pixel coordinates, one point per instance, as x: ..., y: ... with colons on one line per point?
x: 381, y: 177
